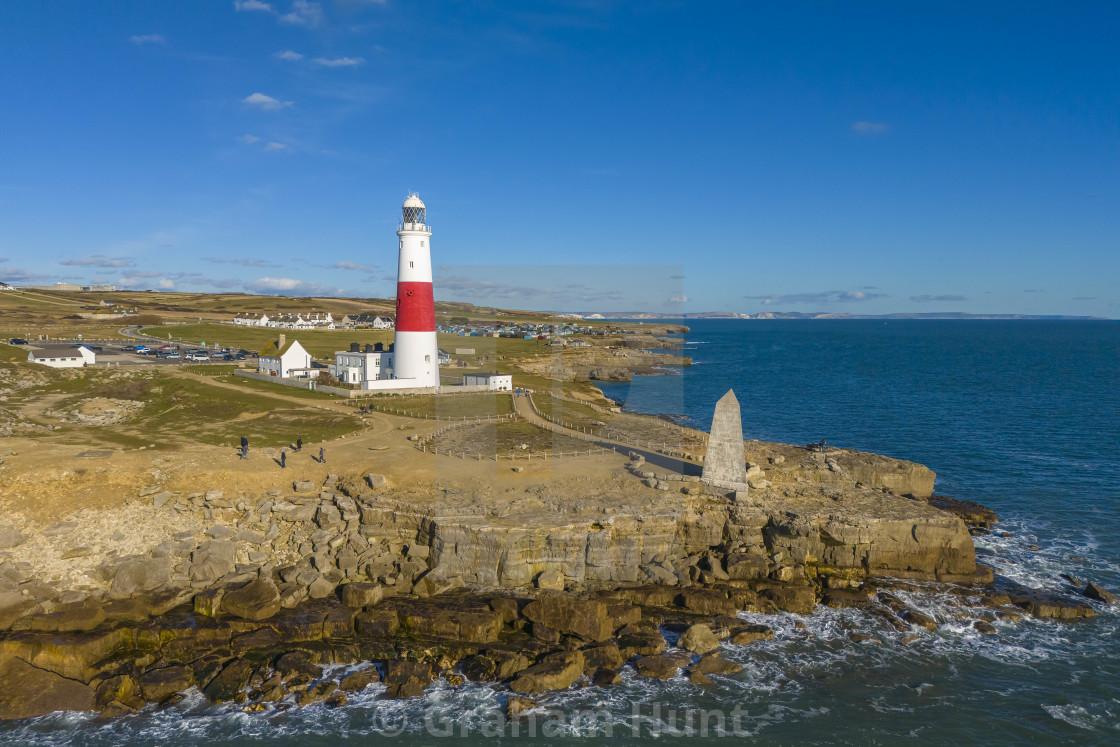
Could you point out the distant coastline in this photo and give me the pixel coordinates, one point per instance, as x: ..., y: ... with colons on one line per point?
x: 827, y: 315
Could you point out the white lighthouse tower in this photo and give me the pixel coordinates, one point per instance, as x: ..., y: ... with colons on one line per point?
x: 415, y: 354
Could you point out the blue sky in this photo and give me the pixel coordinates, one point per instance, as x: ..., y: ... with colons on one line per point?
x: 818, y: 156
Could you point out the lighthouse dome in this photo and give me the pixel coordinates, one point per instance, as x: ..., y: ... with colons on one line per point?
x: 414, y: 217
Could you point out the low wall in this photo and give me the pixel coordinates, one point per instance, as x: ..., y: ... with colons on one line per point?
x: 297, y: 383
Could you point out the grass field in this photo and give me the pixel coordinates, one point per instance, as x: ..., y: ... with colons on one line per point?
x: 449, y: 406
x: 176, y: 411
x: 570, y: 412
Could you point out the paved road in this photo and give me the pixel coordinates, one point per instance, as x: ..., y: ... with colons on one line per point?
x: 525, y: 410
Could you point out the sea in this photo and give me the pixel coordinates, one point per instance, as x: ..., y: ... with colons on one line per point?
x: 1021, y: 416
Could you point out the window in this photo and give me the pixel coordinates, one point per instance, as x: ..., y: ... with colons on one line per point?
x: 427, y: 359
x: 411, y: 264
x: 421, y: 243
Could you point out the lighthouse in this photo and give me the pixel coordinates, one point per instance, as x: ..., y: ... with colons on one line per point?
x: 415, y: 355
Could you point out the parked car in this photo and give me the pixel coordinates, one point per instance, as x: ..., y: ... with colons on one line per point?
x: 128, y: 348
x: 218, y: 356
x: 198, y: 357
x: 18, y: 341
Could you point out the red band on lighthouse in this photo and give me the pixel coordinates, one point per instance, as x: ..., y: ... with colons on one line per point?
x: 416, y: 308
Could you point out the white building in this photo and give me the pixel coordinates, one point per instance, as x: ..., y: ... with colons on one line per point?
x: 290, y: 321
x: 251, y: 320
x: 316, y: 319
x: 286, y: 360
x: 6, y: 287
x: 496, y: 382
x: 82, y: 356
x: 356, y: 366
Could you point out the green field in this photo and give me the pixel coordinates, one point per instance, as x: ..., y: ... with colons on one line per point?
x: 572, y: 413
x: 177, y: 411
x: 472, y: 405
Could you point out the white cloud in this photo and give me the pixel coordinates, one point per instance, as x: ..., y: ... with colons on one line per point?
x: 304, y: 13
x: 287, y: 54
x: 147, y: 39
x: 267, y: 103
x: 97, y: 260
x: 167, y: 284
x: 290, y: 286
x: 339, y: 61
x: 246, y: 5
x: 870, y: 128
x: 351, y: 266
x: 925, y: 297
x: 248, y: 139
x: 275, y: 146
x: 682, y: 298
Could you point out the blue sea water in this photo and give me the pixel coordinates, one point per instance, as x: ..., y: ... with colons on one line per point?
x: 1021, y: 416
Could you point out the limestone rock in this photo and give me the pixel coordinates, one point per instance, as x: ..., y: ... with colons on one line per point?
x: 27, y: 691
x: 699, y: 639
x: 554, y: 672
x: 751, y: 634
x: 316, y: 693
x: 257, y: 600
x: 585, y: 618
x: 406, y: 679
x: 358, y: 681
x: 375, y: 481
x: 712, y: 664
x: 358, y: 595
x: 321, y: 588
x: 516, y: 706
x: 229, y: 682
x: 603, y: 656
x: 1092, y: 591
x: 725, y: 458
x: 160, y: 684
x: 140, y: 574
x: 10, y: 538
x: 606, y: 678
x: 550, y: 581
x: 661, y: 666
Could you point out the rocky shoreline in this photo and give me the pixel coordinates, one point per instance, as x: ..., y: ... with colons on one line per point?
x: 539, y: 584
x: 240, y: 644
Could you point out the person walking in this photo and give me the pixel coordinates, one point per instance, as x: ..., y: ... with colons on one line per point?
x: 282, y: 460
x: 322, y: 457
x: 299, y: 443
x: 244, y: 452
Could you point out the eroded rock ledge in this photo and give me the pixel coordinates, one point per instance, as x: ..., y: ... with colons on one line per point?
x: 538, y: 586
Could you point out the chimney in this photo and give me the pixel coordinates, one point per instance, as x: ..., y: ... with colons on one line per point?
x: 378, y: 347
x: 280, y: 343
x: 355, y: 347
x: 369, y: 348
